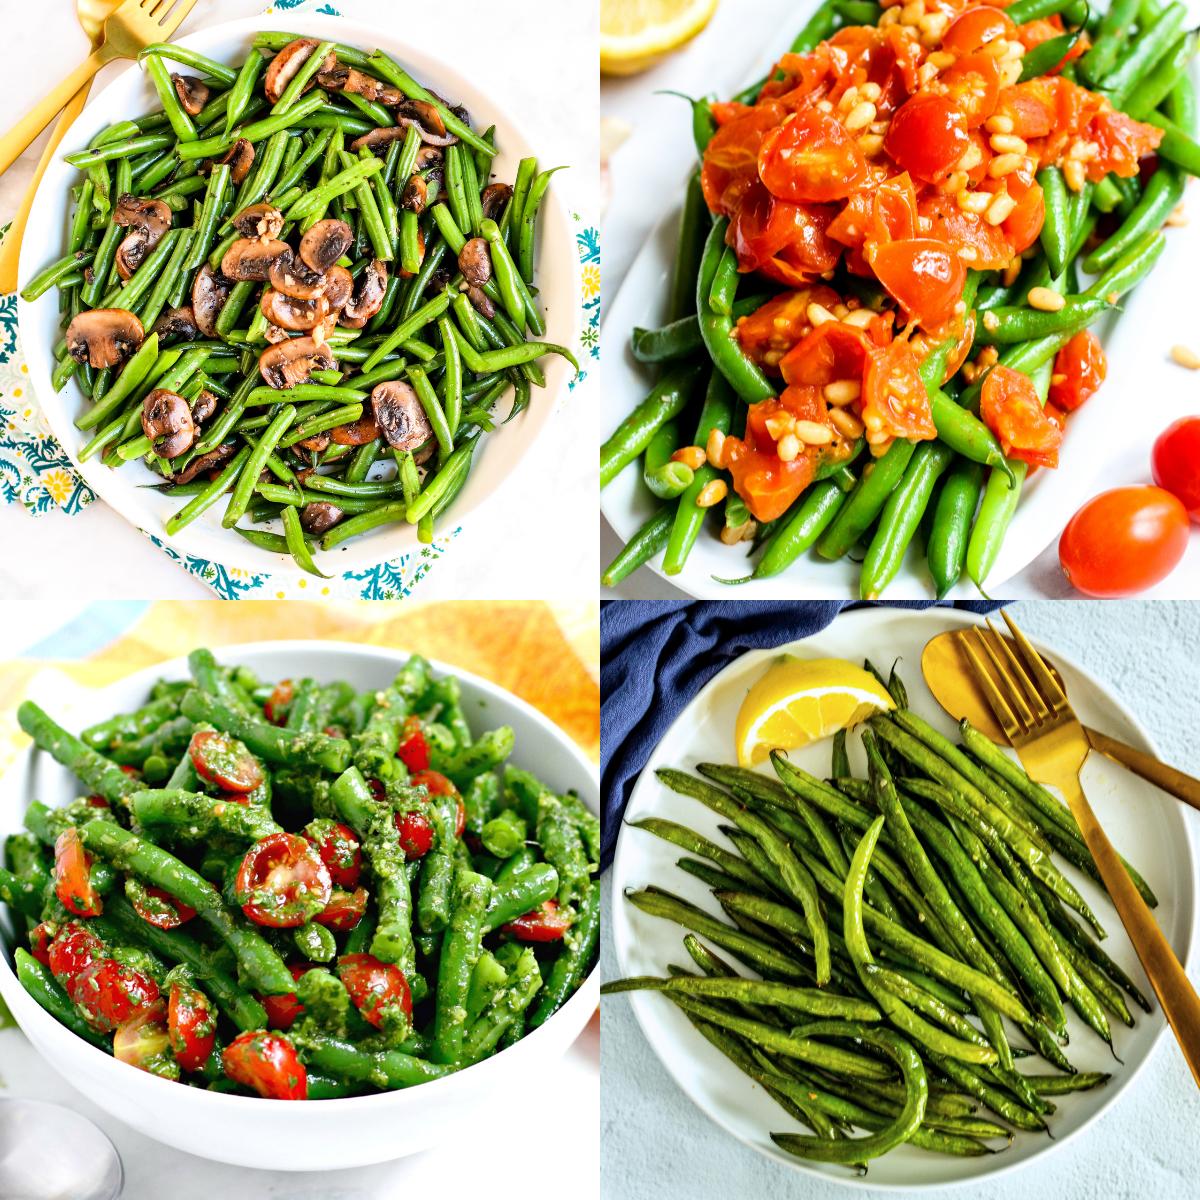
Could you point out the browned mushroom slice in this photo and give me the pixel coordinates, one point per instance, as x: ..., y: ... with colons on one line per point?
x: 206, y: 462
x: 427, y: 119
x: 287, y: 274
x: 259, y: 221
x: 289, y: 313
x: 130, y: 255
x: 349, y: 79
x: 293, y: 362
x: 368, y: 295
x: 167, y: 422
x: 251, y: 258
x: 325, y: 243
x: 204, y: 405
x: 320, y: 515
x: 239, y: 158
x: 148, y: 220
x: 339, y: 287
x: 274, y: 334
x: 495, y: 200
x: 193, y: 93
x: 399, y: 414
x: 177, y: 323
x: 427, y: 157
x: 318, y: 443
x: 475, y: 262
x: 357, y: 433
x: 209, y: 293
x: 104, y: 337
x: 283, y: 67
x: 415, y: 196
x: 481, y: 302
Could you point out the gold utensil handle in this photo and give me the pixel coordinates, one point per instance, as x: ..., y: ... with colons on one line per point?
x: 18, y: 139
x: 1176, y: 994
x: 1181, y: 786
x: 10, y: 249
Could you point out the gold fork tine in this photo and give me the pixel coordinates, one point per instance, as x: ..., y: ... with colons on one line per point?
x: 995, y: 698
x: 1015, y: 684
x: 1038, y: 711
x: 1047, y: 685
x: 1025, y: 716
x: 173, y: 13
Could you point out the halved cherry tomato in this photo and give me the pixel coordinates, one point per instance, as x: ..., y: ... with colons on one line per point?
x: 731, y: 160
x: 834, y: 350
x: 72, y: 884
x: 413, y: 750
x: 895, y: 401
x: 267, y: 1063
x: 1176, y: 463
x: 40, y: 937
x: 159, y: 908
x: 769, y: 332
x: 282, y: 881
x: 544, y: 924
x: 191, y: 1026
x: 925, y: 276
x: 223, y: 760
x: 785, y: 241
x: 975, y: 27
x: 437, y: 784
x: 344, y: 910
x: 282, y: 1011
x: 881, y: 212
x: 927, y: 136
x: 416, y: 833
x: 1010, y: 408
x: 1079, y: 370
x: 376, y: 988
x: 963, y: 230
x: 279, y: 701
x: 1023, y: 225
x: 1124, y: 541
x: 143, y: 1041
x: 339, y: 849
x: 973, y: 85
x: 109, y: 993
x: 73, y: 950
x: 811, y: 156
x: 1123, y: 143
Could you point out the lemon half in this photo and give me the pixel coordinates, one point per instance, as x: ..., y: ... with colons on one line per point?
x: 635, y: 34
x: 801, y: 700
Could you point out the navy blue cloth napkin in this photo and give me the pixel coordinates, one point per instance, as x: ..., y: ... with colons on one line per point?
x: 656, y: 655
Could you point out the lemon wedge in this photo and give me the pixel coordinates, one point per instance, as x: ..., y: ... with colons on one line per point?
x: 801, y: 700
x: 635, y: 34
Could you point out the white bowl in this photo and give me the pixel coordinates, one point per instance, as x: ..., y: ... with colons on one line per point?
x: 318, y: 1135
x: 499, y: 454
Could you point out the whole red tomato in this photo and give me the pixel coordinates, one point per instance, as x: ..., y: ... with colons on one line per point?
x: 1176, y: 462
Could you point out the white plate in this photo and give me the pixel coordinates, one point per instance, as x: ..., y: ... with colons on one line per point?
x: 1108, y: 440
x: 1144, y: 823
x: 328, y: 1134
x: 131, y: 95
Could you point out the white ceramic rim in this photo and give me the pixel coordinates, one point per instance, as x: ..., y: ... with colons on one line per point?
x: 579, y: 1007
x: 639, y: 999
x: 557, y: 257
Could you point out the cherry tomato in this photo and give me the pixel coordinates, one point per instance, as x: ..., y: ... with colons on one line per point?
x: 811, y: 156
x: 143, y: 1041
x: 437, y: 784
x: 282, y: 881
x: 375, y: 987
x: 1023, y: 225
x: 282, y: 1011
x: 224, y: 761
x: 73, y: 950
x: 731, y: 160
x: 279, y: 701
x: 344, y: 910
x: 788, y: 242
x: 927, y: 136
x: 1176, y: 462
x: 416, y: 833
x: 191, y: 1026
x: 975, y: 27
x: 769, y: 332
x: 109, y: 993
x: 925, y: 276
x: 973, y: 85
x: 832, y: 351
x: 72, y: 884
x: 413, y: 750
x: 339, y: 849
x: 159, y: 907
x: 1124, y: 541
x: 267, y: 1063
x: 1010, y: 408
x: 895, y: 401
x: 40, y: 937
x: 1079, y: 370
x: 544, y: 924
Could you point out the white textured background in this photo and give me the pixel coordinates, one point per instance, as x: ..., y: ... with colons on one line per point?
x: 656, y: 1143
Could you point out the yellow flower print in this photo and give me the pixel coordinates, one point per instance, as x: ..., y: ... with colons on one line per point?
x: 591, y: 281
x: 58, y: 484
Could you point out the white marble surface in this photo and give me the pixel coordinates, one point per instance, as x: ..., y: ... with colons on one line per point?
x: 740, y: 44
x: 527, y: 543
x: 655, y: 1142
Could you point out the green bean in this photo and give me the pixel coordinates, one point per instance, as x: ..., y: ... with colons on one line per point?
x: 1150, y: 47
x: 648, y: 541
x: 385, y: 1068
x: 1115, y: 27
x: 693, y: 225
x: 668, y: 399
x: 56, y: 273
x: 255, y: 132
x: 866, y: 501
x: 120, y: 150
x: 1001, y: 1104
x: 1006, y: 325
x: 953, y: 515
x: 1162, y: 193
x: 38, y: 981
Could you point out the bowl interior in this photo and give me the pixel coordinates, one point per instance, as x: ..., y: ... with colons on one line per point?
x: 499, y: 454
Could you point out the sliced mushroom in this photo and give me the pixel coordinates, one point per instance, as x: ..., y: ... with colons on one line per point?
x: 427, y: 119
x: 428, y: 156
x: 495, y: 200
x: 289, y: 313
x: 319, y: 516
x: 290, y: 276
x: 283, y: 67
x: 206, y: 462
x: 293, y: 362
x: 368, y: 295
x: 167, y: 422
x: 339, y: 287
x: 481, y: 302
x: 193, y: 93
x: 204, y: 405
x: 239, y: 158
x: 349, y: 79
x: 104, y: 337
x: 475, y: 262
x: 177, y: 323
x: 148, y: 220
x: 274, y: 334
x: 357, y: 433
x: 415, y: 196
x: 325, y: 243
x: 399, y: 414
x: 209, y: 293
x: 318, y: 443
x: 251, y: 258
x: 259, y: 221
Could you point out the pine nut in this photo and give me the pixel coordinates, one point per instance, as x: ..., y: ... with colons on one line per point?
x: 1075, y: 173
x: 912, y: 12
x: 1186, y: 357
x: 1011, y: 272
x: 991, y: 322
x: 870, y: 144
x: 870, y: 91
x: 788, y: 448
x: 1044, y: 299
x: 987, y: 357
x: 841, y: 311
x: 811, y: 433
x: 941, y: 59
x: 1000, y: 209
x: 956, y: 181
x: 973, y: 202
x: 841, y: 392
x: 1010, y: 71
x: 712, y: 493
x: 849, y: 99
x: 732, y: 534
x: 860, y: 318
x: 1007, y: 143
x: 1004, y: 164
x: 780, y: 425
x: 926, y: 74
x: 690, y: 456
x: 825, y: 106
x: 881, y: 447
x: 846, y: 423
x: 972, y: 156
x: 968, y: 254
x: 818, y: 314
x: 860, y: 116
x: 714, y: 449
x: 996, y: 48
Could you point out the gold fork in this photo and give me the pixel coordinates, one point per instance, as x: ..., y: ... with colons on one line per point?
x: 1034, y: 713
x: 132, y: 27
